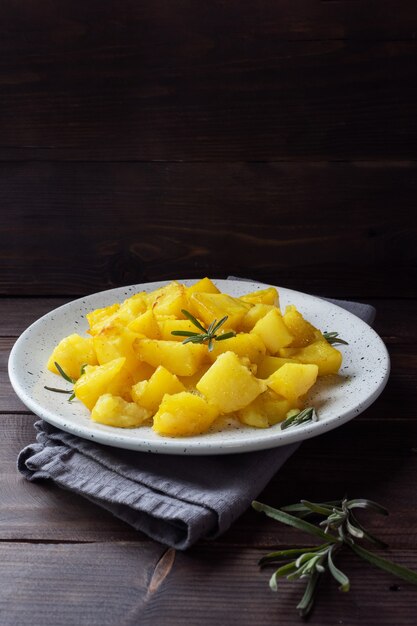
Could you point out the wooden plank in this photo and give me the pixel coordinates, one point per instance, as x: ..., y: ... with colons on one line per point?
x: 224, y: 586
x: 79, y: 585
x: 323, y: 228
x: 19, y: 313
x: 184, y: 81
x: 107, y: 584
x: 364, y: 458
x: 8, y: 399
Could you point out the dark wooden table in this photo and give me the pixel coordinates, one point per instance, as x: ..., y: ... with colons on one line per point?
x: 160, y: 139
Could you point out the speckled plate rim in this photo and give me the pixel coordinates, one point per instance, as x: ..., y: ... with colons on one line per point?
x: 364, y: 374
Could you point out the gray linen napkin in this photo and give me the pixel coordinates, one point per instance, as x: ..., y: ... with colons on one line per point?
x: 176, y: 500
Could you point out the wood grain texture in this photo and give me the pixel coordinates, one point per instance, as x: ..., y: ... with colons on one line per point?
x: 225, y: 586
x: 110, y: 584
x: 76, y: 585
x: 187, y: 81
x: 343, y: 229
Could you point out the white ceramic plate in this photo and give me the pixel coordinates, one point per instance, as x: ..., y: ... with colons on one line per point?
x: 363, y: 375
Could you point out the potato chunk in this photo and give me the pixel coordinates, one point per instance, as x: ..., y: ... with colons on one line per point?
x: 263, y: 296
x: 184, y: 414
x: 205, y: 285
x: 168, y: 300
x: 326, y: 357
x: 254, y: 315
x: 146, y: 324
x: 270, y: 364
x: 98, y: 318
x: 149, y: 393
x: 302, y: 331
x: 114, y: 341
x: 266, y: 410
x: 211, y: 306
x: 229, y: 385
x: 178, y: 358
x: 293, y: 380
x: 272, y: 331
x: 96, y: 381
x: 243, y: 344
x: 71, y: 354
x: 114, y: 411
x: 168, y: 325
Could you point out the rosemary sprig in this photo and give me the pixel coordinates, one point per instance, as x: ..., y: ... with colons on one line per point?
x: 68, y: 379
x: 295, y: 417
x: 207, y: 334
x: 334, y: 339
x: 339, y: 529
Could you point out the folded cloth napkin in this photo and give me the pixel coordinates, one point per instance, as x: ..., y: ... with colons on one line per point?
x: 177, y: 500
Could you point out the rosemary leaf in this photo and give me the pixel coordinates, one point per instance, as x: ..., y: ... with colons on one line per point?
x: 291, y: 520
x: 184, y: 333
x: 388, y: 566
x: 207, y: 334
x: 219, y: 323
x: 336, y: 573
x: 307, y: 415
x: 193, y: 319
x: 283, y: 554
x: 307, y: 601
x: 227, y: 335
x: 63, y: 374
x: 362, y: 503
x: 311, y: 562
x: 57, y: 390
x: 333, y: 339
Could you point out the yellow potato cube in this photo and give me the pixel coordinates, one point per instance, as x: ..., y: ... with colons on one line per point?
x: 302, y: 331
x: 71, y: 354
x: 184, y: 414
x: 276, y: 406
x: 326, y: 357
x: 149, y: 393
x: 178, y: 358
x: 168, y: 325
x: 211, y: 306
x: 272, y: 331
x: 270, y: 364
x: 114, y: 411
x: 243, y: 344
x: 97, y: 380
x: 229, y: 385
x: 293, y: 380
x: 252, y: 415
x: 131, y: 308
x: 254, y: 315
x: 100, y: 317
x: 267, y: 409
x: 168, y: 300
x: 146, y: 324
x: 202, y: 286
x: 114, y: 341
x: 263, y: 296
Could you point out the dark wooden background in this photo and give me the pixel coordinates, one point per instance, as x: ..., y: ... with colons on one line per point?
x: 145, y: 140
x: 150, y: 139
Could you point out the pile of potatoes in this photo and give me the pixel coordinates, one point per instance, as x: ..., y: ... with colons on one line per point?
x: 133, y: 371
